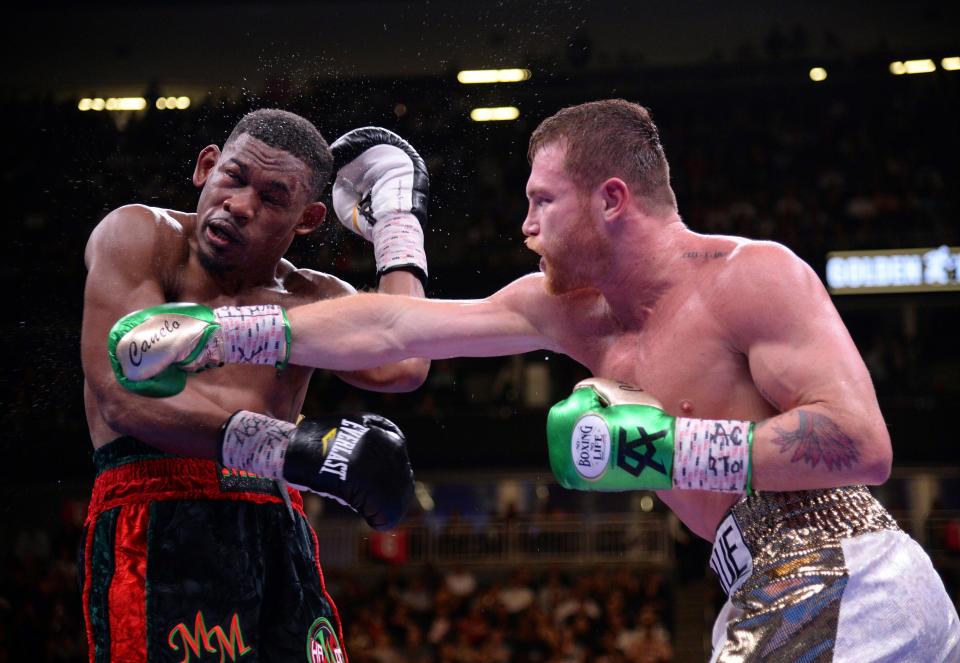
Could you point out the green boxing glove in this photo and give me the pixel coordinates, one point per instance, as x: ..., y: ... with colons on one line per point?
x: 611, y: 436
x: 153, y: 350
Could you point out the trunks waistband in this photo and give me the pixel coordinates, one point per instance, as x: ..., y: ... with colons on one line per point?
x: 768, y: 525
x: 130, y: 471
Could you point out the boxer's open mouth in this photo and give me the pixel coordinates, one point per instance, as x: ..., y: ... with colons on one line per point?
x: 222, y: 232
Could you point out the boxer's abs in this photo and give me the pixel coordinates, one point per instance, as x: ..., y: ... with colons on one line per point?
x: 700, y: 511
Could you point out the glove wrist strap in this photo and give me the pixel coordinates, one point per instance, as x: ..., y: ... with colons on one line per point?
x: 253, y: 334
x: 255, y: 443
x: 398, y: 244
x: 712, y: 454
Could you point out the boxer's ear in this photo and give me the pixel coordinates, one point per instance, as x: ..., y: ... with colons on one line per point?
x: 614, y: 196
x: 209, y: 156
x: 311, y: 218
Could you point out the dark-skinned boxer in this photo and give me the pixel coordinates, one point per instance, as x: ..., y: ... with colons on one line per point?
x: 195, y: 545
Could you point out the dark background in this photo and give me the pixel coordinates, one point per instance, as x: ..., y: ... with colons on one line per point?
x: 863, y: 160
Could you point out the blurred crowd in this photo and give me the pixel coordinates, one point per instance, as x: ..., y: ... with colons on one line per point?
x: 396, y: 611
x: 461, y: 616
x: 457, y: 615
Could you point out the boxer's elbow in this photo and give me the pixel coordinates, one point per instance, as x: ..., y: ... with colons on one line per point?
x: 399, y: 377
x: 122, y: 410
x: 413, y: 374
x: 878, y: 471
x: 402, y: 376
x: 881, y: 465
x: 877, y: 459
x: 119, y: 414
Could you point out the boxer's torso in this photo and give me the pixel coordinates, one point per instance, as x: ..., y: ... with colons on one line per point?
x: 262, y: 389
x: 682, y: 354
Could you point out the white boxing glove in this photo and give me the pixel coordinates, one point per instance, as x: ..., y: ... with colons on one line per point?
x: 380, y: 192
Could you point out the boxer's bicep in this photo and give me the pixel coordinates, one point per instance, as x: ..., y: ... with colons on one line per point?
x: 119, y: 256
x: 798, y: 349
x: 803, y: 361
x: 511, y: 321
x: 123, y: 276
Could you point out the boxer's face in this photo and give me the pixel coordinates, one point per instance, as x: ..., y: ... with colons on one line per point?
x: 560, y: 225
x: 254, y: 200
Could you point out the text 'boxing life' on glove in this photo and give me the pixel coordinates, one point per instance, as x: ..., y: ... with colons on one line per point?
x: 611, y: 436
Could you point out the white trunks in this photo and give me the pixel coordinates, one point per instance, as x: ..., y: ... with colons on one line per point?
x: 827, y: 576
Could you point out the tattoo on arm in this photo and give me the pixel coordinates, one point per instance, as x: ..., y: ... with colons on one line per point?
x: 817, y: 438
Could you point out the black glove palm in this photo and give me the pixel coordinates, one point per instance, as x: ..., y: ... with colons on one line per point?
x: 358, y: 459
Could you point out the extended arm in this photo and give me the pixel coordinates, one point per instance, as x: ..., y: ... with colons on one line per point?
x: 397, y: 376
x: 344, y: 334
x: 367, y: 330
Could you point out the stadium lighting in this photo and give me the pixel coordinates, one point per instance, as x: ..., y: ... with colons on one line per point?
x: 950, y: 64
x: 112, y: 104
x: 924, y: 66
x: 173, y: 103
x: 469, y: 76
x: 818, y: 74
x: 94, y: 104
x: 126, y: 103
x: 494, y: 114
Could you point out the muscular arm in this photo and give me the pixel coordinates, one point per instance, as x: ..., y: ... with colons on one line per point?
x: 830, y: 431
x: 398, y: 376
x: 370, y: 329
x: 124, y: 255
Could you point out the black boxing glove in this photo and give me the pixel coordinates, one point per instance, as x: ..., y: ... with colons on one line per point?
x: 358, y: 459
x: 380, y: 192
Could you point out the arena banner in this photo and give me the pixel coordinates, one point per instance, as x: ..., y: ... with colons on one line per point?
x: 893, y: 270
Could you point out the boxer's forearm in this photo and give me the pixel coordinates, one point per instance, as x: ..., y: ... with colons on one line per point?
x: 817, y: 446
x: 401, y: 376
x: 400, y: 282
x: 187, y: 424
x: 368, y: 330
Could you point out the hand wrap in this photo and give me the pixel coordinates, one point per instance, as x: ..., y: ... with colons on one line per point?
x: 357, y: 459
x: 153, y: 350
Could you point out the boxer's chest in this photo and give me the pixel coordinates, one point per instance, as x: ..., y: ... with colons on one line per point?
x: 261, y: 388
x: 682, y: 358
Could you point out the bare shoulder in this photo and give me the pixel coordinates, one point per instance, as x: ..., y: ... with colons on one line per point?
x: 559, y: 317
x: 757, y: 266
x: 522, y: 293
x: 764, y: 287
x: 311, y: 285
x: 139, y: 233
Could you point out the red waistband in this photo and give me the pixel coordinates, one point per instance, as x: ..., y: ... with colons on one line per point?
x: 173, y: 478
